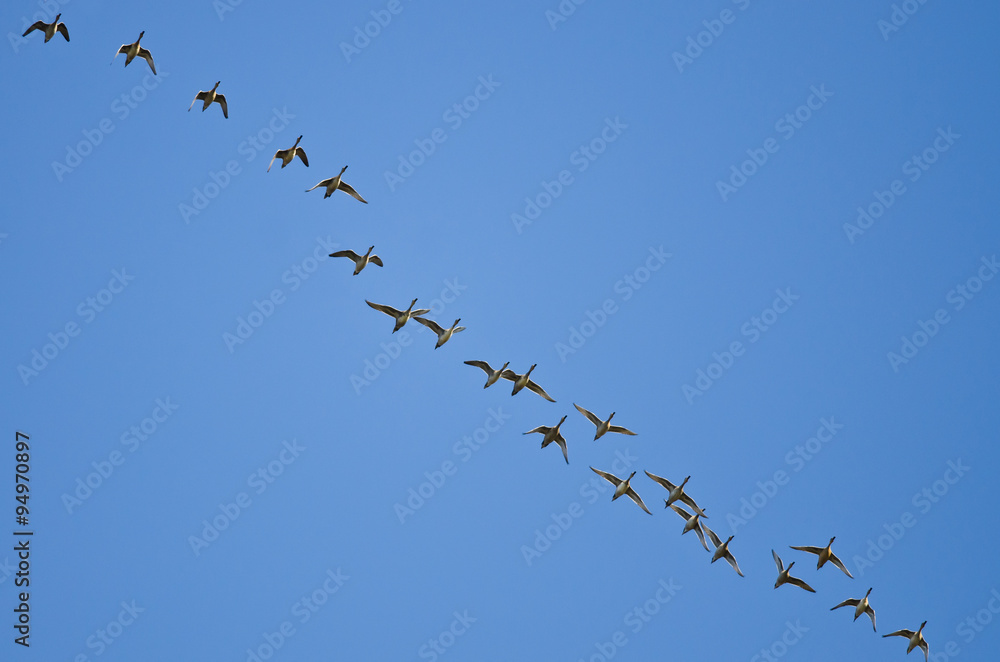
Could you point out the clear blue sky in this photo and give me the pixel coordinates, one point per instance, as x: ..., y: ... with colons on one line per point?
x: 579, y: 203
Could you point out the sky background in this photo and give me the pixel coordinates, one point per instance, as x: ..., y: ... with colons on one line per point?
x: 447, y: 235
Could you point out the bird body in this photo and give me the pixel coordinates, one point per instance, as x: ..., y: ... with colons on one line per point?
x: 401, y: 316
x: 288, y: 155
x: 622, y: 487
x: 916, y: 639
x: 49, y: 29
x: 524, y: 381
x: 131, y: 50
x: 825, y: 554
x: 360, y: 261
x: 209, y: 96
x: 552, y: 435
x: 492, y: 376
x: 335, y: 183
x: 603, y: 427
x: 860, y: 607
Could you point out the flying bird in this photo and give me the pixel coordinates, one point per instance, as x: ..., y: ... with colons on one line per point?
x: 621, y: 487
x: 49, y: 29
x: 722, y: 549
x: 208, y: 97
x: 916, y: 639
x: 360, y: 261
x: 442, y: 334
x: 602, y: 426
x: 288, y: 155
x: 677, y: 493
x: 491, y: 375
x: 825, y: 554
x: 401, y: 316
x: 552, y: 434
x: 335, y: 183
x: 691, y: 523
x: 860, y: 607
x: 131, y: 50
x: 785, y: 578
x: 521, y: 381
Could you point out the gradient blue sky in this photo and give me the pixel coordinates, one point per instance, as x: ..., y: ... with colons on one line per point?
x: 447, y: 235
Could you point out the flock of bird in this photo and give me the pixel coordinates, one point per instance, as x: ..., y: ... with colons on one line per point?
x: 676, y: 494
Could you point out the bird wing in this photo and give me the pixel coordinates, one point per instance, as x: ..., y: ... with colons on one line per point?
x: 62, y: 29
x: 614, y: 480
x: 143, y: 53
x: 562, y: 444
x: 347, y: 188
x: 801, y: 584
x: 701, y: 535
x: 419, y: 311
x: 37, y: 25
x: 812, y: 550
x: 871, y: 612
x: 532, y: 386
x: 777, y: 561
x: 840, y: 564
x: 482, y: 365
x: 732, y: 562
x: 508, y: 375
x: 620, y: 430
x: 375, y: 259
x: 388, y: 310
x: 277, y: 155
x: 662, y: 481
x: 589, y: 414
x: 301, y: 153
x: 221, y: 98
x: 199, y: 96
x: 711, y: 534
x: 322, y: 183
x: 689, y: 501
x: 430, y: 324
x: 899, y: 633
x: 348, y: 253
x: 680, y: 511
x: 847, y: 603
x: 540, y: 428
x: 924, y: 647
x: 635, y: 497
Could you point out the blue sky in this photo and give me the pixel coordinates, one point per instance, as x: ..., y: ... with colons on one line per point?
x: 763, y: 236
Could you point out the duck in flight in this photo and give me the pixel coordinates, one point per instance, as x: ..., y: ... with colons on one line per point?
x: 335, y: 183
x: 491, y: 375
x: 49, y: 29
x: 825, y: 554
x: 621, y: 487
x: 785, y: 578
x: 401, y: 316
x: 916, y: 639
x: 288, y: 155
x: 722, y: 549
x: 553, y: 434
x: 360, y: 261
x: 691, y: 523
x: 602, y: 426
x: 522, y: 381
x: 677, y: 493
x: 442, y: 334
x: 860, y: 607
x: 208, y: 97
x: 131, y: 50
